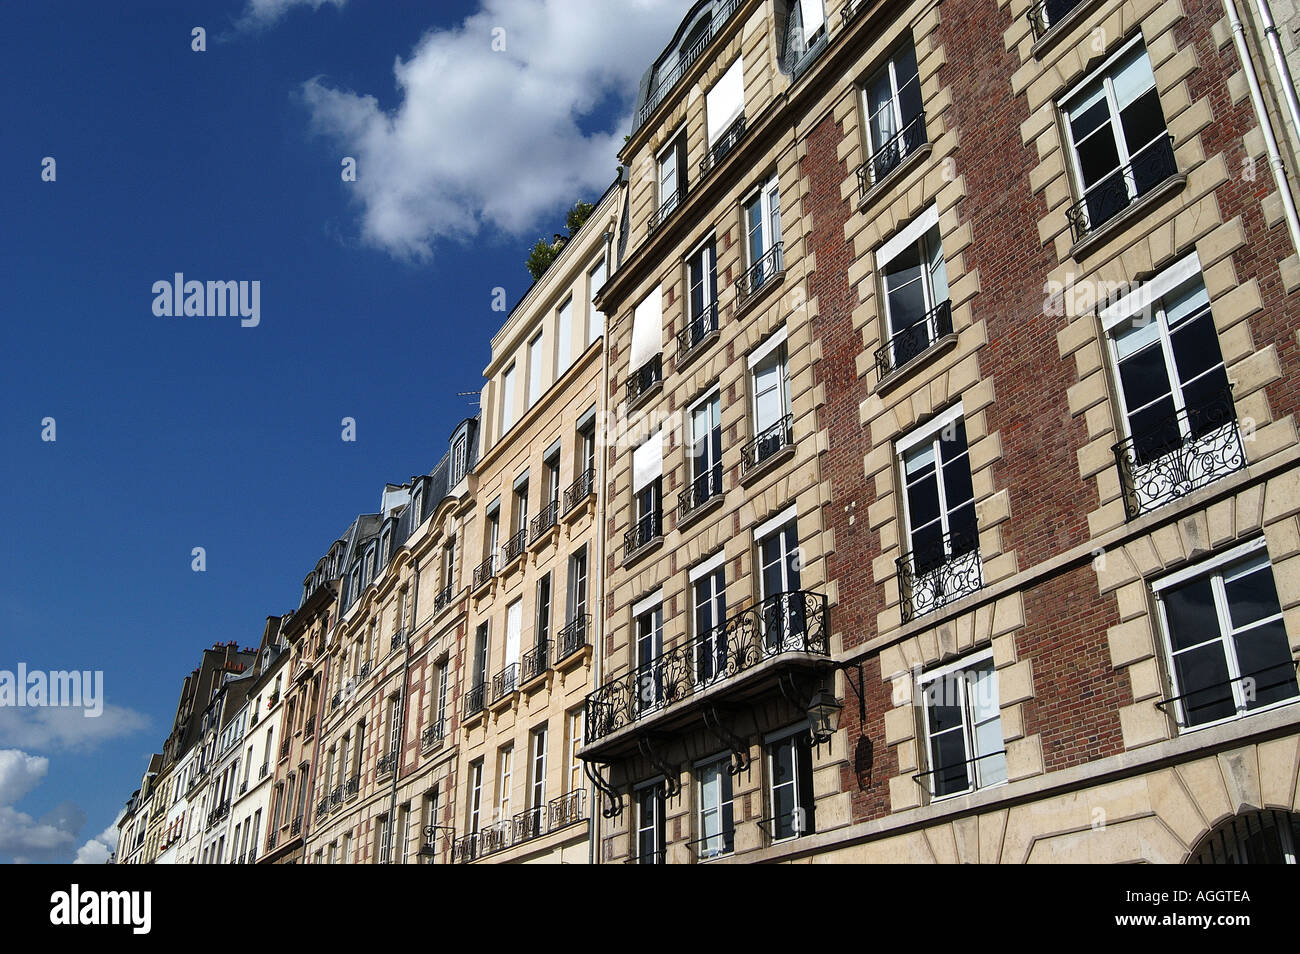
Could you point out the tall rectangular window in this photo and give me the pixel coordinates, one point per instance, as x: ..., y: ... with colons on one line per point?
x: 785, y: 624
x: 895, y: 124
x: 672, y: 176
x: 481, y: 655
x: 762, y: 218
x: 1225, y: 640
x: 394, y: 723
x: 595, y: 318
x: 709, y: 596
x: 769, y: 370
x: 440, y: 707
x: 574, y: 734
x: 505, y: 781
x: 564, y: 338
x: 724, y: 104
x: 701, y: 294
x: 915, y: 280
x: 514, y: 633
x: 507, y: 399
x: 650, y: 844
x: 649, y: 629
x: 537, y: 772
x: 963, y: 727
x: 717, y: 825
x: 474, y: 817
x: 535, y: 369
x: 577, y: 603
x: 706, y: 450
x: 543, y: 631
x: 789, y: 759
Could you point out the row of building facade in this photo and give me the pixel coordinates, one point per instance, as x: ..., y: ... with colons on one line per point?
x: 900, y: 464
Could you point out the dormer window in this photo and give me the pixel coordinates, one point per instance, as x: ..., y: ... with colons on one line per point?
x: 417, y: 505
x: 458, y: 458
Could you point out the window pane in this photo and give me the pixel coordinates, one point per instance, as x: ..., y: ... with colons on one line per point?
x: 1251, y: 593
x: 1202, y: 679
x: 1196, y: 346
x: 1189, y: 609
x: 1142, y: 122
x: 1143, y: 377
x: 1264, y: 656
x: 1132, y: 77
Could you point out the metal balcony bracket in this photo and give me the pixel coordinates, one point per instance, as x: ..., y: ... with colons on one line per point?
x: 739, y: 750
x: 794, y: 695
x: 614, y: 800
x: 671, y: 774
x: 857, y: 689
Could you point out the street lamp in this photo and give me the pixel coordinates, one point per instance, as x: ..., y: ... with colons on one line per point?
x: 823, y: 715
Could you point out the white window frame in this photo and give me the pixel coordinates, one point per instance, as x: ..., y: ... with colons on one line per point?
x: 791, y: 733
x: 973, y: 773
x: 721, y: 765
x: 657, y: 823
x: 769, y: 230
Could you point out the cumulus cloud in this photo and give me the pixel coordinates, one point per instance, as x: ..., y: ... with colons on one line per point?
x: 491, y: 137
x: 19, y: 774
x: 98, y: 849
x: 66, y: 728
x: 23, y: 837
x: 263, y: 13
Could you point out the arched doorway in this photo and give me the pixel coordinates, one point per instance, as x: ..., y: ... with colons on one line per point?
x: 1251, y: 838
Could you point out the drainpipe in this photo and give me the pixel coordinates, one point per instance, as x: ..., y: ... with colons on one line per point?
x: 404, y: 696
x: 1266, y: 126
x: 1279, y: 61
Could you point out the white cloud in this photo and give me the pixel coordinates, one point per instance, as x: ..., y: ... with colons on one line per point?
x: 486, y: 138
x: 23, y: 837
x: 65, y: 728
x: 97, y: 850
x: 19, y: 774
x: 263, y: 13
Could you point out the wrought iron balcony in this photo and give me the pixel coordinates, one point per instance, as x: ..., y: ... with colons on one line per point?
x: 272, y: 839
x: 443, y: 597
x: 696, y: 330
x: 310, y: 729
x: 514, y: 547
x: 264, y: 770
x: 364, y: 670
x: 296, y: 828
x: 484, y: 572
x: 336, y: 700
x: 666, y: 208
x: 556, y: 814
x: 939, y: 573
x: 322, y: 808
x: 1153, y: 165
x: 766, y: 270
x: 1179, y: 454
x: 645, y: 378
x: 914, y: 340
x: 703, y: 488
x: 665, y: 84
x: 544, y: 521
x: 722, y: 148
x: 767, y: 445
x: 579, y: 490
x: 528, y: 824
x: 336, y: 796
x: 891, y: 154
x: 243, y: 786
x: 284, y: 750
x: 494, y: 838
x: 398, y: 640
x: 432, y: 737
x: 475, y: 700
x: 386, y: 764
x: 465, y: 849
x: 565, y: 810
x: 505, y: 682
x: 646, y: 529
x: 1046, y: 14
x: 791, y: 624
x: 536, y: 661
x: 353, y: 786
x: 572, y: 637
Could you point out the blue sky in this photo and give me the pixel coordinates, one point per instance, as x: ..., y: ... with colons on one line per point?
x: 175, y: 433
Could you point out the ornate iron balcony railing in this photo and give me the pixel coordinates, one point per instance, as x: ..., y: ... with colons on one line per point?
x: 548, y: 518
x: 1046, y: 14
x: 664, y: 84
x: 272, y: 839
x: 536, y: 661
x: 353, y: 786
x: 336, y: 700
x: 565, y: 810
x: 914, y: 340
x: 666, y: 208
x: 722, y: 148
x: 465, y: 849
x: 336, y: 796
x: 703, y: 488
x: 767, y: 444
x: 475, y: 700
x: 322, y: 808
x: 1104, y: 200
x: 264, y: 770
x: 443, y: 597
x: 284, y: 750
x: 505, y: 682
x: 296, y: 828
x: 243, y: 786
x: 647, y: 528
x: 794, y: 622
x: 494, y: 838
x: 891, y: 154
x: 514, y: 547
x: 386, y: 764
x: 760, y: 273
x: 485, y: 571
x: 572, y: 637
x: 398, y: 640
x: 579, y: 490
x: 432, y: 737
x: 1179, y: 454
x: 310, y: 729
x: 697, y: 329
x: 936, y: 575
x: 364, y: 670
x: 644, y: 378
x: 528, y: 824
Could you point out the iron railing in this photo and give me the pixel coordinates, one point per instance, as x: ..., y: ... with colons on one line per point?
x: 767, y: 444
x: 580, y: 490
x: 765, y: 270
x: 913, y: 341
x: 1045, y: 14
x: 514, y: 547
x: 264, y: 770
x: 465, y: 849
x: 475, y: 700
x: 336, y: 796
x: 666, y: 208
x: 1179, y: 454
x: 322, y: 808
x: 696, y: 330
x: 296, y: 828
x: 443, y: 597
x: 353, y: 786
x: 310, y: 728
x: 536, y: 661
x: 572, y: 637
x: 485, y: 571
x: 891, y: 154
x: 703, y: 488
x: 793, y: 622
x: 272, y: 839
x: 644, y: 378
x: 722, y: 148
x: 957, y: 777
x: 336, y: 700
x: 432, y: 737
x: 398, y: 640
x: 284, y: 750
x: 386, y: 764
x: 935, y: 575
x: 505, y: 682
x: 646, y: 529
x: 1152, y: 165
x: 543, y: 522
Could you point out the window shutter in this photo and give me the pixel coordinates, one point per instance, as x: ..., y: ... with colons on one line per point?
x: 647, y: 462
x: 647, y: 330
x: 726, y: 101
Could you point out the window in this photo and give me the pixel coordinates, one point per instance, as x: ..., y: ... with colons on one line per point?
x: 514, y: 632
x: 440, y: 710
x: 577, y: 605
x: 785, y: 624
x: 769, y: 371
x: 939, y: 516
x: 587, y: 439
x: 564, y: 339
x: 702, y: 295
x: 709, y: 596
x: 575, y: 729
x: 543, y: 619
x: 508, y: 399
x: 459, y: 464
x: 384, y: 841
x: 762, y: 220
x: 789, y: 759
x: 650, y: 824
x: 647, y: 342
x: 1226, y: 645
x: 521, y: 507
x: 649, y: 626
x: 505, y: 772
x: 475, y: 796
x: 493, y: 534
x: 535, y: 369
x: 963, y: 727
x: 647, y: 471
x: 449, y: 566
x: 552, y: 488
x: 917, y: 311
x: 394, y: 723
x: 895, y: 124
x: 595, y: 318
x: 724, y: 104
x: 716, y: 816
x: 431, y: 819
x: 672, y: 177
x: 1174, y: 394
x: 360, y: 752
x: 706, y: 451
x: 1116, y: 132
x: 537, y: 773
x: 481, y: 655
x: 347, y: 849
x: 403, y: 833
